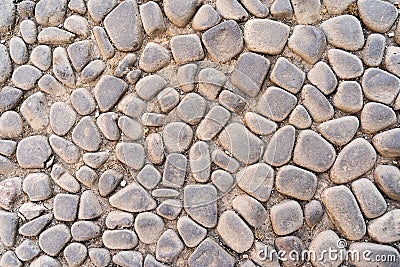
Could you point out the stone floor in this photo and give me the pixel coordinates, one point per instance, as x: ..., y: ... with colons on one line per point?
x: 199, y: 133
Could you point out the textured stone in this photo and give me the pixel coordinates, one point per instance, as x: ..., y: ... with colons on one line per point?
x: 377, y: 15
x: 259, y: 124
x: 213, y: 123
x: 86, y: 176
x: 313, y: 152
x: 55, y: 36
x: 119, y: 219
x: 175, y: 170
x: 78, y: 25
x: 25, y: 77
x: 128, y: 258
x: 180, y: 12
x: 325, y: 241
x: 155, y: 148
x: 345, y: 64
x: 316, y: 103
x: 300, y: 118
x: 231, y: 9
x: 369, y: 198
x: 140, y: 200
x: 9, y: 259
x: 313, y: 212
x: 382, y: 229
x: 169, y: 246
x: 266, y: 36
x: 149, y: 86
x: 296, y: 182
x: 62, y: 68
x: 339, y: 131
x: 224, y: 161
x: 82, y: 101
x: 9, y: 98
x: 348, y: 97
x: 107, y: 50
x: 392, y: 60
x: 211, y: 82
x: 376, y: 117
x: 18, y: 50
x: 286, y: 217
x: 374, y: 250
x: 75, y: 254
x: 27, y: 250
x: 8, y: 228
x: 374, y: 49
x: 119, y: 239
x: 191, y: 233
x: 224, y: 41
x: 386, y: 143
x: 186, y: 76
x: 191, y: 108
x: 86, y: 135
x: 186, y: 48
x: 85, y: 230
x: 177, y: 137
x: 287, y: 75
x: 53, y: 240
x: 33, y: 152
x: 106, y: 98
x: 205, y: 18
x: 152, y: 18
x: 322, y: 76
x: 276, y: 104
x: 130, y: 128
x: 34, y: 110
x: 344, y: 212
x: 7, y: 16
x: 149, y: 227
x: 290, y: 245
x: 257, y: 180
x: 251, y: 210
x: 154, y: 57
x: 307, y: 12
x: 5, y: 65
x: 280, y: 147
x: 125, y: 16
x: 65, y: 207
x: 41, y: 57
x: 169, y: 209
x: 10, y: 125
x: 387, y: 178
x: 282, y: 9
x: 89, y: 206
x: 168, y: 99
x: 210, y: 253
x: 344, y: 32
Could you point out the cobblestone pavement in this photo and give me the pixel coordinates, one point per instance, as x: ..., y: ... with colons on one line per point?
x: 199, y: 133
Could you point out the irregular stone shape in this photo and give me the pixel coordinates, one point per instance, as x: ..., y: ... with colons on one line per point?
x: 62, y: 118
x: 7, y: 166
x: 300, y: 118
x: 387, y: 143
x: 155, y: 148
x: 149, y: 86
x: 256, y: 8
x: 191, y: 233
x: 186, y: 76
x: 211, y: 82
x: 308, y: 42
x: 224, y: 161
x: 388, y: 180
x: 376, y: 117
x: 80, y: 54
x: 41, y: 57
x: 290, y: 244
x: 86, y: 176
x: 374, y: 50
x: 322, y: 76
x: 186, y: 48
x: 383, y: 229
x: 287, y: 75
x: 377, y: 15
x: 108, y: 91
x: 99, y: 9
x: 8, y: 228
x: 200, y: 161
x: 10, y: 189
x: 34, y: 227
x: 371, y: 201
x: 128, y: 258
x: 257, y: 180
x: 125, y: 16
x: 313, y: 152
x: 107, y: 123
x: 9, y: 259
x: 286, y: 217
x: 180, y: 12
x: 75, y: 254
x: 5, y: 65
x: 139, y: 199
x: 33, y: 152
x: 51, y: 86
x: 313, y: 212
x: 213, y: 123
x: 125, y: 64
x: 7, y: 16
x: 37, y: 186
x: 392, y: 60
x: 120, y: 239
x: 249, y: 73
x: 324, y: 241
x: 344, y: 32
x: 210, y: 253
x: 131, y: 129
x: 373, y: 249
x: 296, y: 182
x: 149, y: 176
x: 231, y: 9
x: 130, y: 154
x: 10, y: 125
x: 339, y: 131
x: 205, y: 18
x: 276, y: 104
x: 100, y: 257
x: 169, y: 209
x: 50, y: 12
x: 168, y: 99
x: 109, y: 181
x: 85, y: 230
x: 165, y: 193
x: 169, y: 246
x: 191, y: 108
x: 9, y: 98
x: 34, y: 109
x: 107, y: 50
x: 234, y: 232
x: 45, y: 260
x: 149, y: 227
x: 355, y: 159
x: 307, y: 12
x: 154, y: 57
x: 280, y: 147
x: 55, y: 36
x: 152, y: 18
x: 153, y: 119
x: 131, y: 106
x: 95, y: 160
x: 241, y: 143
x: 224, y: 41
x: 53, y: 240
x: 78, y: 25
x: 200, y: 203
x: 266, y: 36
x: 25, y: 77
x: 86, y: 135
x: 150, y: 261
x: 177, y: 137
x: 345, y: 64
x: 89, y: 206
x: 119, y: 219
x: 348, y: 97
x: 251, y: 210
x: 259, y: 124
x: 62, y: 68
x: 344, y: 212
x: 282, y: 9
x: 65, y: 207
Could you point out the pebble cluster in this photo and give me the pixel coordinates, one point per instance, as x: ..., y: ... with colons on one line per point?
x: 198, y: 133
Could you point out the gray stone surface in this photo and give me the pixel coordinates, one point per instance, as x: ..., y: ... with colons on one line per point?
x: 316, y: 104
x: 287, y: 75
x: 371, y: 201
x: 348, y: 97
x: 186, y: 48
x: 210, y: 252
x: 386, y: 143
x: 280, y: 147
x: 286, y: 217
x: 373, y: 50
x: 53, y: 240
x: 377, y: 15
x: 339, y: 131
x: 33, y: 152
x: 322, y: 76
x: 387, y: 178
x: 276, y: 104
